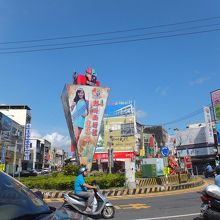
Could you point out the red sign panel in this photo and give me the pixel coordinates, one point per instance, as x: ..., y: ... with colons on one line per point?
x: 117, y: 155
x: 188, y: 162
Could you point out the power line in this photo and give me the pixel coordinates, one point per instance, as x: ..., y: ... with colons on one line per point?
x: 113, y: 42
x: 108, y: 39
x: 112, y: 32
x: 185, y: 117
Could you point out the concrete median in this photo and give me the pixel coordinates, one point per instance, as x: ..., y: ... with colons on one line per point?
x: 135, y: 191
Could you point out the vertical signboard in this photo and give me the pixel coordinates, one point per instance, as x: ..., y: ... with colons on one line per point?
x: 215, y: 97
x: 27, y: 141
x: 149, y: 144
x: 3, y: 154
x: 217, y: 127
x: 188, y: 162
x: 209, y: 130
x: 84, y: 107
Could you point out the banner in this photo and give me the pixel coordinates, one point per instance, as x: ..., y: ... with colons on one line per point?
x: 27, y: 142
x: 103, y: 156
x: 217, y: 127
x: 215, y: 97
x: 121, y: 108
x: 3, y: 154
x: 209, y: 129
x: 84, y: 107
x: 122, y: 135
x: 191, y: 136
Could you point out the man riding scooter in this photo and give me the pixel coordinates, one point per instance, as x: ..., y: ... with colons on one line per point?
x: 209, y: 172
x: 80, y: 188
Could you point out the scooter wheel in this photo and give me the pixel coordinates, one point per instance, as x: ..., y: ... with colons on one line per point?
x: 108, y: 212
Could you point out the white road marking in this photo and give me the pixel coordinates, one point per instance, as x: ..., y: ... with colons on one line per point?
x: 169, y: 217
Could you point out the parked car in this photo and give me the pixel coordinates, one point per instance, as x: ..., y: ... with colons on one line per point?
x: 25, y: 173
x: 19, y: 202
x: 37, y: 172
x: 46, y: 171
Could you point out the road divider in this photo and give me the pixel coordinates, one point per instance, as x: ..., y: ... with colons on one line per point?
x: 135, y: 191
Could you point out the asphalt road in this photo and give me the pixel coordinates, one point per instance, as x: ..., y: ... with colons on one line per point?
x: 175, y: 205
x: 184, y: 206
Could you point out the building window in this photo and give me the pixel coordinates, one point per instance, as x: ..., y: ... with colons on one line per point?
x: 127, y: 129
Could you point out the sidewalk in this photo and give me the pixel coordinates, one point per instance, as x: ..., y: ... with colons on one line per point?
x: 138, y: 190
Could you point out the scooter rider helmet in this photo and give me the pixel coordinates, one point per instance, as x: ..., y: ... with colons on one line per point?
x: 82, y: 169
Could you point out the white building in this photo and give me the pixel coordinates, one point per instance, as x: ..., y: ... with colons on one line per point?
x: 196, y: 141
x: 21, y: 114
x: 44, y: 155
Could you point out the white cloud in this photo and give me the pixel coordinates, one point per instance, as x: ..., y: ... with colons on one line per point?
x: 199, y: 81
x: 35, y: 134
x: 162, y: 90
x: 140, y: 114
x: 57, y: 140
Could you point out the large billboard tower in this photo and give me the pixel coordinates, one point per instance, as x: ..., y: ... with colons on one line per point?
x: 84, y: 103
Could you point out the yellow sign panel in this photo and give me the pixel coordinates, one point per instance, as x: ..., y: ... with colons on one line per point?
x: 166, y: 170
x: 120, y: 132
x: 2, y: 167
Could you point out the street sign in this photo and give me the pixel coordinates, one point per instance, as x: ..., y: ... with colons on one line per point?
x: 165, y: 151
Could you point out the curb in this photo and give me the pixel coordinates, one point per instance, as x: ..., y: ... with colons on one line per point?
x: 135, y: 191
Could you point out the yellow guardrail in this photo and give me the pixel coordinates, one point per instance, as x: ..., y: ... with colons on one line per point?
x: 171, y: 179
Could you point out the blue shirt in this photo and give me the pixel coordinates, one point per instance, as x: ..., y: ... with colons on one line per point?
x: 217, y: 180
x: 209, y: 168
x: 78, y: 184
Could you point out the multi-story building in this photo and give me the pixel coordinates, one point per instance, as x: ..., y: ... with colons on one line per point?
x: 195, y: 141
x: 37, y: 152
x: 44, y: 155
x: 11, y: 144
x: 21, y: 114
x: 59, y: 159
x: 46, y: 145
x: 18, y: 113
x: 159, y: 133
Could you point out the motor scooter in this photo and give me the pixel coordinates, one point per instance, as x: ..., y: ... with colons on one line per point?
x: 210, y: 207
x: 101, y: 205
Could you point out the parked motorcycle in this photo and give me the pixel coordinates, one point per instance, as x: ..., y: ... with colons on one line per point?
x: 101, y: 205
x: 210, y: 208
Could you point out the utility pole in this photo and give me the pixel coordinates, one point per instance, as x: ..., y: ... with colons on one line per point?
x: 110, y: 151
x: 15, y: 157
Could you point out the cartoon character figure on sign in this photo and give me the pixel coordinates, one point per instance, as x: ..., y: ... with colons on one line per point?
x: 79, y: 111
x: 91, y: 76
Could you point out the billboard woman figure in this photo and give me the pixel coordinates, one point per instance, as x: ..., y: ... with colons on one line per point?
x: 79, y: 109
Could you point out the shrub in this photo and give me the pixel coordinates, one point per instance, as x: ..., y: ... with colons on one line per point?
x: 71, y: 170
x: 96, y: 173
x: 63, y: 182
x: 55, y: 174
x: 138, y: 174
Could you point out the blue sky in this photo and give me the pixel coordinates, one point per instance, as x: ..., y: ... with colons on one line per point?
x: 167, y: 77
